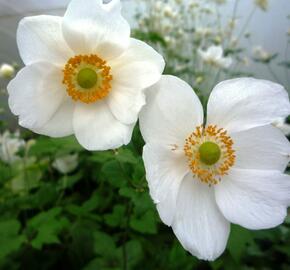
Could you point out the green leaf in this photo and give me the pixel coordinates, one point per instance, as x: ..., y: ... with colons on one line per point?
x: 134, y: 251
x: 117, y: 217
x: 145, y: 224
x: 102, y: 157
x: 53, y: 146
x: 114, y: 174
x: 10, y: 240
x: 125, y: 156
x: 238, y: 241
x: 47, y: 226
x: 104, y: 245
x: 93, y: 203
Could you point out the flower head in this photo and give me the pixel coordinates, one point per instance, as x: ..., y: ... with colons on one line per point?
x: 204, y: 176
x: 214, y: 57
x: 84, y: 75
x: 7, y: 71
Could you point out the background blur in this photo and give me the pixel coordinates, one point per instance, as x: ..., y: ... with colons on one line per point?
x: 62, y: 207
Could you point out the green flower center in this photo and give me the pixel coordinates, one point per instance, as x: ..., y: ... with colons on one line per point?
x: 87, y: 78
x: 210, y: 153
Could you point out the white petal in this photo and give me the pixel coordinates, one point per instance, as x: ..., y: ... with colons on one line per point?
x: 40, y: 38
x: 244, y: 103
x: 36, y: 94
x: 137, y: 68
x: 94, y: 27
x: 97, y: 129
x: 60, y: 124
x: 126, y: 103
x: 172, y: 112
x: 140, y: 66
x: 254, y: 199
x: 198, y: 223
x: 261, y: 148
x: 165, y: 170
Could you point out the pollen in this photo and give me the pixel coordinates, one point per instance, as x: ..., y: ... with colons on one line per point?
x: 210, y: 154
x: 87, y: 78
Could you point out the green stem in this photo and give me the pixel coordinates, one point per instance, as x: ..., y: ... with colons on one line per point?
x: 247, y: 23
x: 234, y: 18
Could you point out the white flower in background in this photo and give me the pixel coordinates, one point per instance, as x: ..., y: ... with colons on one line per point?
x: 230, y: 170
x: 84, y: 75
x: 10, y: 144
x: 214, y: 57
x: 261, y: 54
x: 7, y: 71
x: 282, y: 125
x: 66, y: 164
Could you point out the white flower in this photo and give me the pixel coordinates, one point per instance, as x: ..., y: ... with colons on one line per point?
x: 84, y: 75
x: 7, y: 71
x: 282, y: 125
x: 230, y: 170
x: 66, y: 164
x: 214, y: 56
x: 10, y: 144
x: 261, y: 54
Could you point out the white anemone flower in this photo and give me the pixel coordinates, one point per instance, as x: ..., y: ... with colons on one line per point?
x: 84, y: 75
x: 230, y: 170
x: 214, y: 57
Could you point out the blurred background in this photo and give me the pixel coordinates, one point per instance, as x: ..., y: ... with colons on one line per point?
x: 63, y: 207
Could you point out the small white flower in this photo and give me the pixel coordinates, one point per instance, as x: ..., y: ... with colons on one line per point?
x: 7, y: 71
x: 66, y: 164
x: 84, y: 75
x: 10, y: 144
x: 230, y: 170
x: 214, y: 56
x: 282, y: 125
x: 261, y: 54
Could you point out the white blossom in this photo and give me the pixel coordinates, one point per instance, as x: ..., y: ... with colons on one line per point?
x: 84, y: 75
x: 204, y: 175
x: 214, y: 56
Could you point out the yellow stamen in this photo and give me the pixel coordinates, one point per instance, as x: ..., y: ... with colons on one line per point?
x: 209, y: 170
x: 87, y: 78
